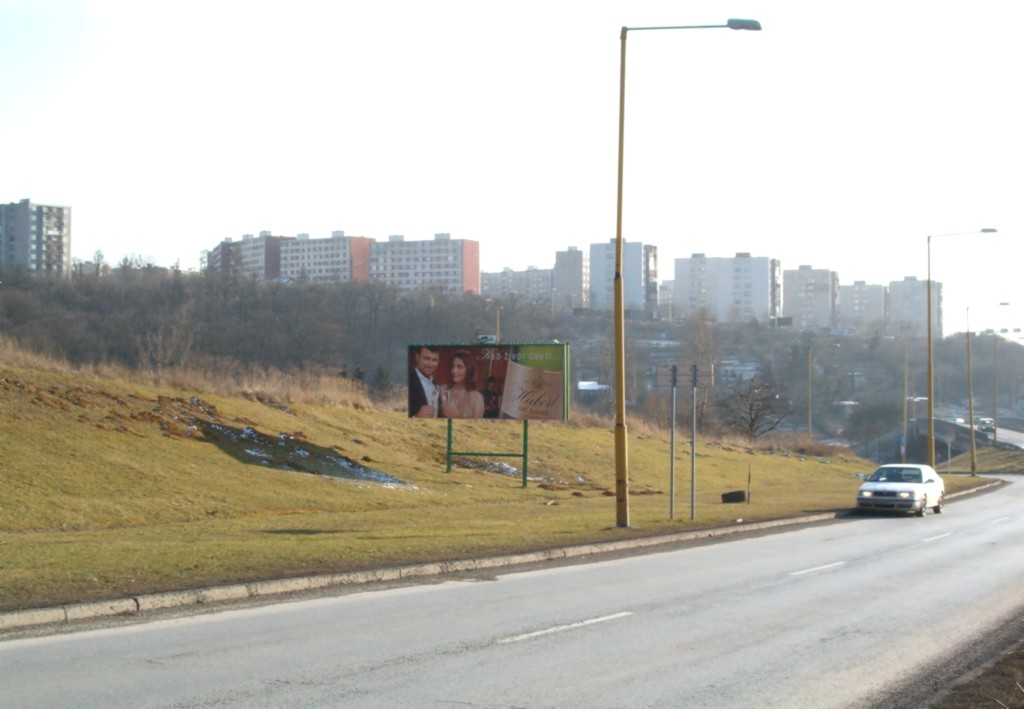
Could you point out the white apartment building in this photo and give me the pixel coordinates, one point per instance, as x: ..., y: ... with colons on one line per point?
x: 337, y: 259
x: 534, y: 284
x: 810, y: 296
x: 729, y: 289
x: 861, y: 305
x: 35, y: 237
x: 572, y: 279
x: 908, y: 304
x: 453, y: 265
x: 635, y: 273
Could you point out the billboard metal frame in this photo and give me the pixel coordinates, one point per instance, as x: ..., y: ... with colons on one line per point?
x: 449, y: 453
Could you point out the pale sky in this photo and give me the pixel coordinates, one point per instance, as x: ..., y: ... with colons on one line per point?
x: 838, y: 137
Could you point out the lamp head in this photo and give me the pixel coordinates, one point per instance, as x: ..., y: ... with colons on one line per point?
x: 743, y: 25
x: 989, y: 231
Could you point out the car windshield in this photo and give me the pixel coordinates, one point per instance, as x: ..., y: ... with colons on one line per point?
x: 896, y: 475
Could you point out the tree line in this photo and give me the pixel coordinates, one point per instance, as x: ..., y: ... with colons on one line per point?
x: 154, y: 320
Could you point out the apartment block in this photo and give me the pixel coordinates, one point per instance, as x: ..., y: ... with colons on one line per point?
x: 729, y: 289
x: 533, y: 285
x: 636, y: 272
x: 452, y: 265
x: 336, y: 259
x: 810, y: 296
x: 908, y: 305
x: 36, y: 238
x: 572, y: 279
x: 861, y: 305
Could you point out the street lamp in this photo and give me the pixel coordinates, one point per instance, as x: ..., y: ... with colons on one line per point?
x: 995, y: 384
x: 931, y: 362
x: 970, y: 398
x: 621, y: 458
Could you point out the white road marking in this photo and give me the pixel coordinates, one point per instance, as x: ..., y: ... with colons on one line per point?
x: 563, y: 628
x: 999, y: 519
x: 932, y: 539
x: 817, y: 568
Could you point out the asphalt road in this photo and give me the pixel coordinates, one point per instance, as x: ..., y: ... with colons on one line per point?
x: 853, y: 613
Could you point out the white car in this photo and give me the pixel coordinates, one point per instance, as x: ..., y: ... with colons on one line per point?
x: 902, y: 487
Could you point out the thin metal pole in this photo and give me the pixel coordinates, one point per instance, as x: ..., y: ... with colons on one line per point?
x: 931, y: 367
x: 693, y: 443
x: 526, y: 448
x: 995, y: 387
x: 906, y: 362
x: 810, y: 395
x: 970, y: 397
x: 448, y: 453
x: 672, y: 452
x: 621, y: 456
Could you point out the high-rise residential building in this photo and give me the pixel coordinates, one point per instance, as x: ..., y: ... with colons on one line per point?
x: 533, y: 285
x: 636, y: 273
x: 257, y: 257
x: 337, y: 259
x: 861, y: 305
x: 36, y: 238
x: 572, y: 279
x: 908, y: 305
x: 730, y: 289
x: 650, y: 280
x: 810, y: 296
x: 453, y: 265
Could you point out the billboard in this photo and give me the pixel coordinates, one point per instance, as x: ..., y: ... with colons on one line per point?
x: 492, y: 381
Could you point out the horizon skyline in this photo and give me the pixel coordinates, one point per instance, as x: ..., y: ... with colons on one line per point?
x: 1000, y: 329
x: 838, y: 137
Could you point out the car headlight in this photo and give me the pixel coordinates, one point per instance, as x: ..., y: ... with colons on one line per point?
x: 906, y: 494
x: 865, y: 493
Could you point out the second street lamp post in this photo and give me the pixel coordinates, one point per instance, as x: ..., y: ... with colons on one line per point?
x: 970, y: 398
x: 931, y: 362
x: 621, y: 458
x: 995, y: 383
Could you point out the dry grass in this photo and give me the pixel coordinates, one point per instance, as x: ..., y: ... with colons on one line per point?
x: 112, y: 485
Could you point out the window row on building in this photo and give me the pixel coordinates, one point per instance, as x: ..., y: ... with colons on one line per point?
x: 452, y: 265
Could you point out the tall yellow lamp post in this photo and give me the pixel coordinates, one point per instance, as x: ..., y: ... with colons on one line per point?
x: 621, y: 457
x: 931, y: 361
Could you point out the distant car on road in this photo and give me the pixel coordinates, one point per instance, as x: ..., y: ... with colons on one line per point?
x: 902, y: 487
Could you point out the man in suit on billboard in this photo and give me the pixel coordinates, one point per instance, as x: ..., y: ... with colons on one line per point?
x: 423, y: 390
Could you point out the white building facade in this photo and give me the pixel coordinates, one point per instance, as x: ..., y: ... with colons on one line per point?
x: 634, y: 275
x: 729, y: 289
x: 36, y: 237
x: 810, y: 296
x: 572, y: 279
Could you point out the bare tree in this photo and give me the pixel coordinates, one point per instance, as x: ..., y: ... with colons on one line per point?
x: 754, y: 408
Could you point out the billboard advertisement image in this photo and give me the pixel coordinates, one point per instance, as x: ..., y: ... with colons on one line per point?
x: 507, y: 381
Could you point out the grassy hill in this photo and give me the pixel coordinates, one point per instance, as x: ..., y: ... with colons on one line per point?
x: 113, y: 486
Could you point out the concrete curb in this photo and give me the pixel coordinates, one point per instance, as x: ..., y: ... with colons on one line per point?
x: 258, y: 589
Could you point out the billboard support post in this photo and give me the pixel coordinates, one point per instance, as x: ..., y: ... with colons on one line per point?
x: 524, y: 456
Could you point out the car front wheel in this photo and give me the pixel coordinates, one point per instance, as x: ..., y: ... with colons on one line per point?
x: 922, y: 509
x: 938, y: 507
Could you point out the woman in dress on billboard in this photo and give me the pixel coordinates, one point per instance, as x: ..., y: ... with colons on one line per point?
x: 460, y: 400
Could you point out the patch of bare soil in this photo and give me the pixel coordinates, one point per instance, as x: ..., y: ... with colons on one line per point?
x: 999, y: 685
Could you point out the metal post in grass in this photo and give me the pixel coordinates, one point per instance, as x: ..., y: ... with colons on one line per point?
x: 672, y: 451
x: 693, y: 442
